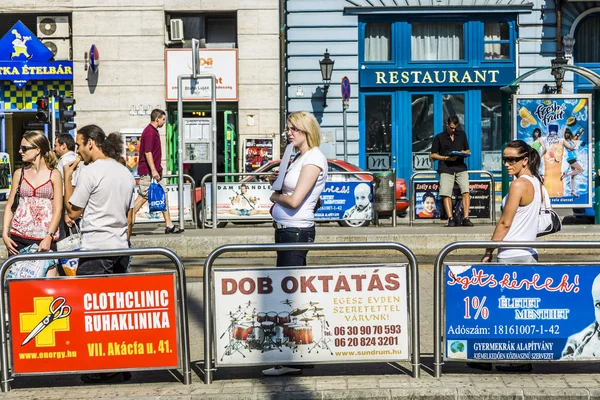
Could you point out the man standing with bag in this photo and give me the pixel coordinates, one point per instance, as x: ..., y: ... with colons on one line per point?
x: 149, y: 166
x: 450, y: 148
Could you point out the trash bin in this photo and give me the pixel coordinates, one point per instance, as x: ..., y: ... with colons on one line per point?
x: 384, y: 187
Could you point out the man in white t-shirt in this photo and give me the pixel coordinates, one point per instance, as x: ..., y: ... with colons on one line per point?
x: 104, y: 189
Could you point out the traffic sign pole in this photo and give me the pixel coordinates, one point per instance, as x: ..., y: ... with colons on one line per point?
x: 345, y: 105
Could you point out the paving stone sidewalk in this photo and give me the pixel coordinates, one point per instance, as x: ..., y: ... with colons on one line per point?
x: 340, y: 381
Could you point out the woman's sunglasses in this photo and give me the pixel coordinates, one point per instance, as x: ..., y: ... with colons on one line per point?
x: 25, y: 149
x: 511, y: 160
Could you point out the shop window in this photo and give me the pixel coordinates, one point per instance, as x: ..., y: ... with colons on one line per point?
x: 454, y: 104
x: 437, y: 41
x: 586, y: 40
x: 213, y: 30
x: 491, y: 129
x: 378, y: 37
x: 422, y: 122
x: 496, y: 41
x: 378, y: 114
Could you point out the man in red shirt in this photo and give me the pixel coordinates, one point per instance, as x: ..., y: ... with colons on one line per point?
x: 149, y: 167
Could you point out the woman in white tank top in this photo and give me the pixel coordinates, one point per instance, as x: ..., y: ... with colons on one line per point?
x: 519, y: 220
x: 521, y: 207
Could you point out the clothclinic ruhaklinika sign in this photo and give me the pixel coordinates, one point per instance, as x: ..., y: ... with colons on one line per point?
x: 23, y: 58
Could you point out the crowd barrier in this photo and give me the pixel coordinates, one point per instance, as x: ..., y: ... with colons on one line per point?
x: 247, y: 328
x: 149, y: 314
x: 521, y: 313
x: 413, y: 194
x: 264, y: 215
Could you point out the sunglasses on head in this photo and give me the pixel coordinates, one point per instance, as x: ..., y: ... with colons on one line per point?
x: 512, y: 160
x: 25, y: 149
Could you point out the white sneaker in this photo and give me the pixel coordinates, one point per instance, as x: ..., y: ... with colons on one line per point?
x: 280, y: 370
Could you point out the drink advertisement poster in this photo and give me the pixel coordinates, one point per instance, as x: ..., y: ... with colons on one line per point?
x: 339, y: 200
x: 428, y: 203
x: 559, y: 127
x: 101, y: 323
x: 522, y: 312
x: 319, y: 314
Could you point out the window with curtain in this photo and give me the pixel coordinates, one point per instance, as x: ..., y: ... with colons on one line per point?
x: 496, y: 40
x: 378, y: 37
x: 437, y: 41
x: 586, y: 40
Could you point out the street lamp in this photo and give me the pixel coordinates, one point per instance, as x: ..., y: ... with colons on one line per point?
x: 326, y: 65
x: 558, y: 72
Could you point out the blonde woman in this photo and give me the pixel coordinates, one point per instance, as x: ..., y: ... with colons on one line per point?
x: 36, y: 218
x: 294, y: 207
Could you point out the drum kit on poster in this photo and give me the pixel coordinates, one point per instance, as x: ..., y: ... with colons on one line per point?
x: 250, y: 330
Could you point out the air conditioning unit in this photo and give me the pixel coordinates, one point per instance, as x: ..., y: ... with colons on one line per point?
x: 176, y: 30
x: 61, y: 48
x: 52, y: 27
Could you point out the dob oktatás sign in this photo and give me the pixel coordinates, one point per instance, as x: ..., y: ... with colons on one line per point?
x: 335, y: 314
x: 94, y: 324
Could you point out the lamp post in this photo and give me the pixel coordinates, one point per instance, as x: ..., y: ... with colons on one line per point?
x: 326, y: 65
x: 558, y: 71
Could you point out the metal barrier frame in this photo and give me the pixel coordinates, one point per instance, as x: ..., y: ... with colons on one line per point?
x: 439, y: 303
x: 413, y: 290
x: 222, y: 175
x: 184, y: 336
x: 413, y: 196
x: 193, y: 200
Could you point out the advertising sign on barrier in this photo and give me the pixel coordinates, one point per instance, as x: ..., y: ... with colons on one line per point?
x: 429, y: 203
x: 112, y: 322
x: 522, y: 312
x: 144, y: 214
x: 559, y: 128
x: 326, y: 314
x: 340, y: 200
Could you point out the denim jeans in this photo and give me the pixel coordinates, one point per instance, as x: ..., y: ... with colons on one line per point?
x: 293, y: 235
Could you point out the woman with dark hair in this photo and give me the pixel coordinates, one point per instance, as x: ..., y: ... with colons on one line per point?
x: 538, y: 142
x: 40, y: 197
x: 520, y: 217
x: 571, y: 148
x: 429, y: 208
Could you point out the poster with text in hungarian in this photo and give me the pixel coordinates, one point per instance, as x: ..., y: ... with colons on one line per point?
x: 428, y: 202
x: 101, y: 323
x: 522, y: 312
x: 559, y: 127
x: 310, y: 315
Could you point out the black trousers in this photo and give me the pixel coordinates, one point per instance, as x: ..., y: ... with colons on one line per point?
x: 293, y: 235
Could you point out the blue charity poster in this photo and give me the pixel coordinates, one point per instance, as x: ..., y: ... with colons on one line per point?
x: 346, y: 200
x: 559, y: 128
x: 522, y: 312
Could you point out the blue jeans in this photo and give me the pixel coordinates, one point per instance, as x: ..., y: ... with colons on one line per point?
x: 293, y: 235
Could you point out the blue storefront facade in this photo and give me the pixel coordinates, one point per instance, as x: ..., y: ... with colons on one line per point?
x: 413, y: 65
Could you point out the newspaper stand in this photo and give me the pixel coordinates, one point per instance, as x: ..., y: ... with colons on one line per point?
x: 211, y: 336
x: 439, y: 297
x: 480, y: 172
x: 180, y: 309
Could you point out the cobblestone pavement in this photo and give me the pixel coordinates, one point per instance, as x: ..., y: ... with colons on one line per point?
x: 352, y: 381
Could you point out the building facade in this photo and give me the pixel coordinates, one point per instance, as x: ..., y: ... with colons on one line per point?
x: 413, y: 64
x: 133, y: 41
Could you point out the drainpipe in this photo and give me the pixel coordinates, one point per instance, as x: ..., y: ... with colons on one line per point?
x: 282, y: 76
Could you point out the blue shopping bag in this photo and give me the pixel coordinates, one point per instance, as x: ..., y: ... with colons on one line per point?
x: 157, y: 200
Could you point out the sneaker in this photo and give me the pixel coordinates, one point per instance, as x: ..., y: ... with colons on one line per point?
x: 279, y: 370
x: 467, y: 222
x: 451, y: 222
x: 173, y: 229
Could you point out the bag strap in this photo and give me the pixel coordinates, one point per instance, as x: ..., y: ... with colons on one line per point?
x: 18, y: 192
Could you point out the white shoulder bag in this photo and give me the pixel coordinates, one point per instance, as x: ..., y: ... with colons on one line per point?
x: 549, y: 221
